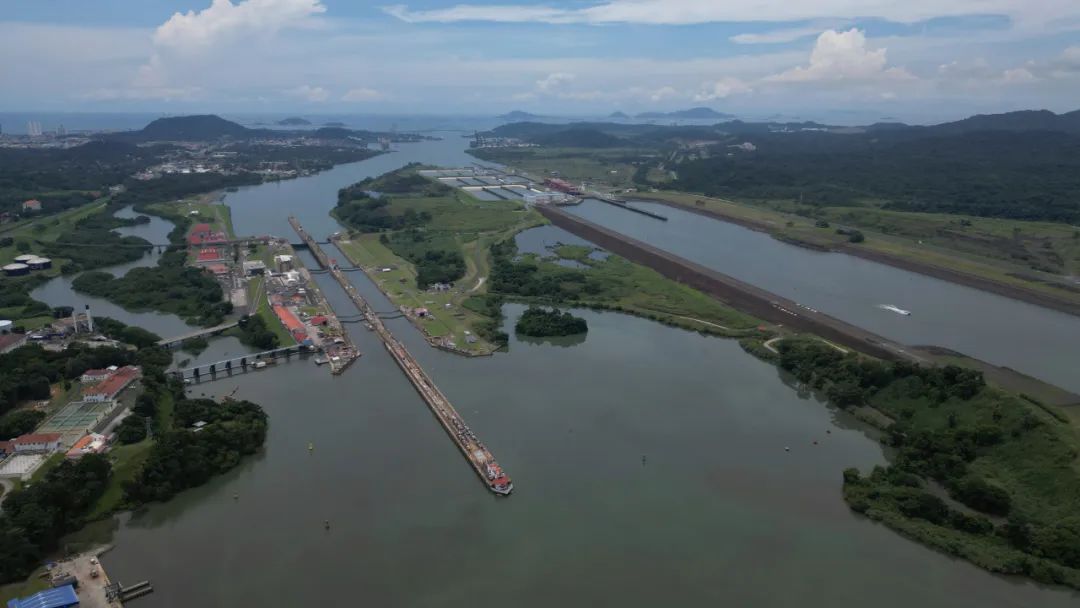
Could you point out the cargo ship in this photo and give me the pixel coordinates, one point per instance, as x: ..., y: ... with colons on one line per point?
x: 896, y: 309
x: 498, y: 481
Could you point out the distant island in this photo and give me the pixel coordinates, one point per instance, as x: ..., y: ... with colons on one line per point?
x: 294, y: 121
x: 539, y: 322
x: 619, y: 116
x: 692, y: 114
x: 333, y: 124
x: 518, y: 115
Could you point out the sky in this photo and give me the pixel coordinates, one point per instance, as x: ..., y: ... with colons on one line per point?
x: 914, y: 60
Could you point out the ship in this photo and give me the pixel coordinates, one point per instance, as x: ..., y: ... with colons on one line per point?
x: 498, y: 481
x: 896, y: 309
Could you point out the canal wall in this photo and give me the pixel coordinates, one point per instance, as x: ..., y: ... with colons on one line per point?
x: 758, y: 302
x: 943, y: 273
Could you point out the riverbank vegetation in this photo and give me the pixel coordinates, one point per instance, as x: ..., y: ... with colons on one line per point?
x: 978, y: 473
x: 538, y: 322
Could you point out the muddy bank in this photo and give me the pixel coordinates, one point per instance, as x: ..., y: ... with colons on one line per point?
x: 737, y: 294
x: 938, y: 272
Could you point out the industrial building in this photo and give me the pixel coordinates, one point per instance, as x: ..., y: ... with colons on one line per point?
x: 36, y: 442
x: 16, y: 270
x: 92, y: 443
x: 109, y: 388
x: 58, y: 597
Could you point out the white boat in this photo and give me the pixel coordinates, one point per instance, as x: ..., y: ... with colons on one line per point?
x: 896, y: 309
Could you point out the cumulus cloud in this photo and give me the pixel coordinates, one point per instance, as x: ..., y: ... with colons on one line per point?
x: 843, y: 56
x: 681, y: 12
x: 224, y: 21
x: 552, y: 83
x: 307, y: 92
x: 362, y: 94
x: 721, y: 89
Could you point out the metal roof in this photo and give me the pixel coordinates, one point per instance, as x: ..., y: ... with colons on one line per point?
x: 60, y: 597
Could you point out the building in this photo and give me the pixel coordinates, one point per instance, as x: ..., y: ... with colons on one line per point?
x: 562, y: 186
x: 254, y: 267
x: 208, y: 255
x: 91, y: 376
x: 283, y: 262
x: 91, y: 443
x: 58, y: 597
x: 292, y: 277
x: 16, y: 270
x: 37, y: 442
x: 108, y: 389
x: 6, y: 448
x: 31, y: 205
x: 9, y: 342
x: 217, y: 269
x: 37, y: 263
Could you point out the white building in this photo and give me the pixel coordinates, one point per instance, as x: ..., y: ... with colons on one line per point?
x: 37, y: 442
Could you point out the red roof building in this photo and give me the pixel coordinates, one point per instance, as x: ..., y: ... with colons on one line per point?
x: 209, y: 255
x: 319, y: 320
x: 111, y: 386
x: 218, y: 269
x: 36, y: 442
x: 31, y: 205
x: 96, y: 375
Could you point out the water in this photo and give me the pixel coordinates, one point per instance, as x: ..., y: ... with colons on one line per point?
x: 58, y: 292
x: 640, y: 482
x: 1034, y: 340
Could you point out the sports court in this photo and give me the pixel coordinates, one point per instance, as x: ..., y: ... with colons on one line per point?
x: 77, y: 416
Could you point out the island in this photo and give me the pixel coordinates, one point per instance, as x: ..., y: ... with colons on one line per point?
x: 294, y: 121
x: 537, y: 322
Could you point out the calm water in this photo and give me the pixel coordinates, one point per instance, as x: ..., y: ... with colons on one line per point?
x: 640, y: 482
x: 1037, y: 341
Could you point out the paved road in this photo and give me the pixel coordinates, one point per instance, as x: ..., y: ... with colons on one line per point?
x: 9, y: 485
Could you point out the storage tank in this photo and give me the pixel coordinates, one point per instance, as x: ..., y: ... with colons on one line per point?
x: 39, y: 263
x: 5, y: 326
x: 16, y: 270
x: 24, y: 258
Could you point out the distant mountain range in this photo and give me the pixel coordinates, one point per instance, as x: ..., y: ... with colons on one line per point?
x: 691, y: 114
x: 210, y: 127
x: 518, y: 116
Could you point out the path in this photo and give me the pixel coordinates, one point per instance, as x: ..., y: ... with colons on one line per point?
x: 9, y: 486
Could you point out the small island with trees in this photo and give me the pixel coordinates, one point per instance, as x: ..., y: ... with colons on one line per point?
x: 539, y: 322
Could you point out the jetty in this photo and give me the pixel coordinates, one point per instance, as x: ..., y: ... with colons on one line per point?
x: 475, y: 452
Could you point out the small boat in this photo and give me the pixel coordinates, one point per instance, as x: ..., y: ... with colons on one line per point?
x: 896, y: 309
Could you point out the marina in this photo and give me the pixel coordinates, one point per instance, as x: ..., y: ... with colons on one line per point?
x: 475, y: 452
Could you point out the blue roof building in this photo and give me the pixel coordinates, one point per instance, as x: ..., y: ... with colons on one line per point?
x: 60, y: 597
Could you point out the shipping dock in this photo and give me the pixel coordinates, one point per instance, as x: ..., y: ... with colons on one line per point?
x: 478, y: 456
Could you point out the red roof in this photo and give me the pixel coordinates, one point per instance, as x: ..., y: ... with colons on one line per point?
x: 201, y: 229
x: 319, y: 320
x: 96, y: 372
x: 218, y: 268
x: 210, y: 254
x: 36, y: 438
x: 195, y: 239
x: 288, y: 319
x: 115, y: 383
x: 6, y: 446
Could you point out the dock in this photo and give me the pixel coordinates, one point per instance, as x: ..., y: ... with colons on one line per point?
x: 622, y: 204
x: 477, y: 455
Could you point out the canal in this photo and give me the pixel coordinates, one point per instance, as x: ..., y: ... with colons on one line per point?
x: 649, y: 462
x: 1037, y: 341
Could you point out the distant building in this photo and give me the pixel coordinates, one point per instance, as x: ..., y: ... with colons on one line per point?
x: 91, y: 376
x: 254, y: 267
x: 208, y: 255
x: 108, y: 389
x: 283, y: 262
x: 37, y: 442
x: 91, y: 443
x: 31, y: 205
x: 217, y: 269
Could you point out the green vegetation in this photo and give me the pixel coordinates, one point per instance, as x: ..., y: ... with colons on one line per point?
x: 182, y: 458
x: 187, y: 292
x: 267, y: 319
x: 255, y: 331
x: 91, y: 243
x: 131, y: 430
x: 538, y: 322
x: 19, y: 422
x: 27, y: 373
x: 195, y: 345
x: 1010, y: 464
x: 34, y: 519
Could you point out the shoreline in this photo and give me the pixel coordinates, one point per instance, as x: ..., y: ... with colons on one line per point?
x: 938, y: 272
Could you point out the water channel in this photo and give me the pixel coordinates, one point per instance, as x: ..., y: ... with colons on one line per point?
x: 649, y: 464
x: 1037, y: 341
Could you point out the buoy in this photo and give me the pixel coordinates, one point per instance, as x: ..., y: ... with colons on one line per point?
x: 828, y: 432
x: 236, y: 497
x: 326, y: 524
x: 787, y: 449
x: 311, y: 447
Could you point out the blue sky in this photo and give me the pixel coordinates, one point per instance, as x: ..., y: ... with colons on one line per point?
x: 917, y: 60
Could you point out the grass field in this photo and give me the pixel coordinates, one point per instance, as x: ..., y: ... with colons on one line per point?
x: 462, y: 222
x: 202, y: 209
x: 126, y: 462
x: 46, y: 229
x: 606, y: 167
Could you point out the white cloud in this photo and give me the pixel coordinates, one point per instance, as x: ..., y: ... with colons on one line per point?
x: 362, y: 94
x: 1017, y: 76
x: 679, y: 12
x: 722, y: 89
x: 552, y: 83
x: 307, y: 92
x: 777, y: 36
x: 223, y: 21
x: 843, y: 56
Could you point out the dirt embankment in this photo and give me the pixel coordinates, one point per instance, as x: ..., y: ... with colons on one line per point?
x: 742, y: 296
x: 938, y: 272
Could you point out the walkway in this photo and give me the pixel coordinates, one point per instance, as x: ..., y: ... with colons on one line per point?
x: 210, y: 331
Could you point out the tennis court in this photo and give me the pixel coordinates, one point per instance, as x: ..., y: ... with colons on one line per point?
x: 76, y: 416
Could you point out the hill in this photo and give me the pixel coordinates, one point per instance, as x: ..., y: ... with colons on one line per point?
x: 204, y: 127
x: 518, y: 115
x: 579, y: 137
x: 619, y: 116
x: 294, y: 121
x: 691, y: 114
x: 1027, y: 120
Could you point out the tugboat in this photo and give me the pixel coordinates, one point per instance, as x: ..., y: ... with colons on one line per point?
x: 498, y: 481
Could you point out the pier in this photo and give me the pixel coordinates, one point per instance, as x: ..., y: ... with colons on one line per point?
x: 478, y: 456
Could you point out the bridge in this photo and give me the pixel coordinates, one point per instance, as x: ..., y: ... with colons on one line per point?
x: 201, y: 333
x: 244, y: 363
x: 477, y: 455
